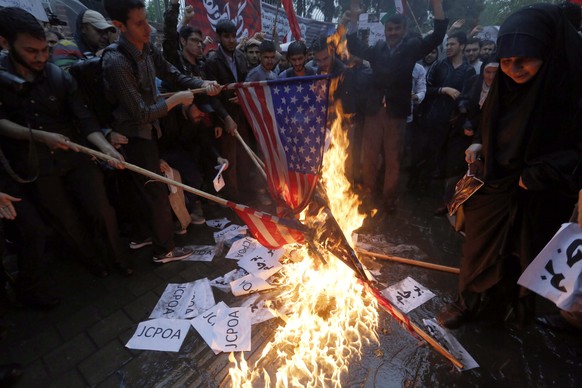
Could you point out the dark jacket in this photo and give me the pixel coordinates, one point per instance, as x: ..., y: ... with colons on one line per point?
x: 217, y: 68
x: 393, y: 71
x: 437, y: 108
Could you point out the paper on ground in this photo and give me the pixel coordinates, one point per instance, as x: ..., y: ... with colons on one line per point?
x: 407, y: 294
x: 248, y: 285
x: 447, y: 340
x: 223, y: 282
x: 262, y: 262
x: 225, y: 329
x: 160, y: 334
x: 259, y: 311
x: 184, y: 300
x: 555, y: 272
x: 241, y: 248
x: 201, y: 253
x: 204, y: 324
x: 229, y: 233
x: 218, y: 223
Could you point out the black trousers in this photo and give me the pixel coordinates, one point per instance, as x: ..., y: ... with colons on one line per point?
x: 76, y: 204
x: 149, y: 204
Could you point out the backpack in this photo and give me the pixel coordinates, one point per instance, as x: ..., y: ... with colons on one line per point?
x: 88, y: 74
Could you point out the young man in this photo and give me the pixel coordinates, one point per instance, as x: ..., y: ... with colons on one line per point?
x: 229, y: 65
x: 297, y: 56
x: 392, y: 62
x: 267, y: 62
x: 487, y: 47
x: 130, y: 74
x: 252, y: 53
x: 445, y: 82
x: 67, y: 183
x: 471, y: 53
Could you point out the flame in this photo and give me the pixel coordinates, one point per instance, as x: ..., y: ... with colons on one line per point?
x: 329, y: 316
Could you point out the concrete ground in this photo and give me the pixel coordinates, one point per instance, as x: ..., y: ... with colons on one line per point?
x: 82, y: 342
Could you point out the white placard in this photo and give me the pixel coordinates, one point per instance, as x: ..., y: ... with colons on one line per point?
x: 451, y: 344
x: 218, y: 180
x: 232, y: 331
x: 218, y: 223
x: 260, y: 313
x: 241, y: 248
x: 248, y: 285
x: 223, y: 282
x: 201, y: 253
x: 555, y: 272
x: 174, y: 301
x: 230, y: 232
x: 263, y: 262
x: 407, y: 294
x: 202, y: 299
x: 372, y: 22
x: 160, y: 334
x: 204, y: 325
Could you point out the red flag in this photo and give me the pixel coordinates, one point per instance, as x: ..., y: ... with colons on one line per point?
x: 272, y: 232
x: 579, y: 2
x: 292, y: 18
x: 288, y: 117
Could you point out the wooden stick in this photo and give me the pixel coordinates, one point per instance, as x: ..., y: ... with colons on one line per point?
x: 258, y: 162
x: 414, y: 17
x: 149, y: 174
x: 399, y: 316
x: 194, y: 91
x: 417, y: 263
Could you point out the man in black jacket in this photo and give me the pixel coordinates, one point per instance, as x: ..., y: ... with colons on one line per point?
x: 392, y: 62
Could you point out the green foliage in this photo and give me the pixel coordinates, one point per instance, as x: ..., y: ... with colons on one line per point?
x: 496, y: 11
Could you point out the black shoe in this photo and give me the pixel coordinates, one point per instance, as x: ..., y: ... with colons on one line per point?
x: 9, y: 373
x: 452, y: 318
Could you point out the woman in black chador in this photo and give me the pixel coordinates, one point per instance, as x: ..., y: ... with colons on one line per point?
x: 531, y: 145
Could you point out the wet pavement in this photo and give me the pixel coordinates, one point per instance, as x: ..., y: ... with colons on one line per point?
x: 82, y: 342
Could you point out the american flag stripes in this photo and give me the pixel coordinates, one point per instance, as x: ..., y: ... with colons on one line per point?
x: 289, y: 118
x: 272, y: 232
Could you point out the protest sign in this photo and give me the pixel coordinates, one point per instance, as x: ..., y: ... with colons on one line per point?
x: 204, y: 325
x: 201, y: 253
x: 160, y: 334
x: 555, y: 272
x: 184, y: 300
x: 248, y: 285
x: 371, y: 22
x: 407, y: 294
x: 241, y: 248
x: 232, y: 331
x: 223, y: 282
x: 230, y: 232
x: 218, y: 223
x: 259, y: 311
x: 262, y: 262
x: 451, y: 344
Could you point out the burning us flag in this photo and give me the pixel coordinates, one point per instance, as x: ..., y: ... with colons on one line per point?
x: 288, y: 118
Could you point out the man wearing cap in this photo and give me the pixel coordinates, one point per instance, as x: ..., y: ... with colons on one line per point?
x: 92, y: 32
x: 252, y: 52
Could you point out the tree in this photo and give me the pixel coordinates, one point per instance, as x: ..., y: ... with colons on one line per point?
x: 496, y: 11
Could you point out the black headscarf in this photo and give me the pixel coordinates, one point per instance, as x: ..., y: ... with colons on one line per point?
x: 534, y: 130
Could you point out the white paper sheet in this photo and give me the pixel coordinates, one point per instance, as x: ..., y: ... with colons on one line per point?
x: 407, y: 294
x: 160, y: 334
x: 203, y: 253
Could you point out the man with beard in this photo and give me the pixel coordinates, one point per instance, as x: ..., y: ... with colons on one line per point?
x: 472, y: 54
x: 49, y: 110
x: 297, y: 56
x: 229, y: 65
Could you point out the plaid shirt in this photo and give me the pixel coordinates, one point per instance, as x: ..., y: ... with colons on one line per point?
x: 132, y: 87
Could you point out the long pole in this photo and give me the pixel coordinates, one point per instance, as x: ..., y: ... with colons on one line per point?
x: 417, y: 263
x: 414, y: 17
x: 258, y: 162
x: 149, y: 174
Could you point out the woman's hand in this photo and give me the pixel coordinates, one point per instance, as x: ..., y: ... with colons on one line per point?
x: 473, y: 153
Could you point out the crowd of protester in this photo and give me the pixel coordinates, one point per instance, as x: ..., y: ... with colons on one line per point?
x: 427, y: 105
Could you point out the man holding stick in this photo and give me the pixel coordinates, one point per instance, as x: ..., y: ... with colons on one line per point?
x: 45, y: 107
x: 130, y: 77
